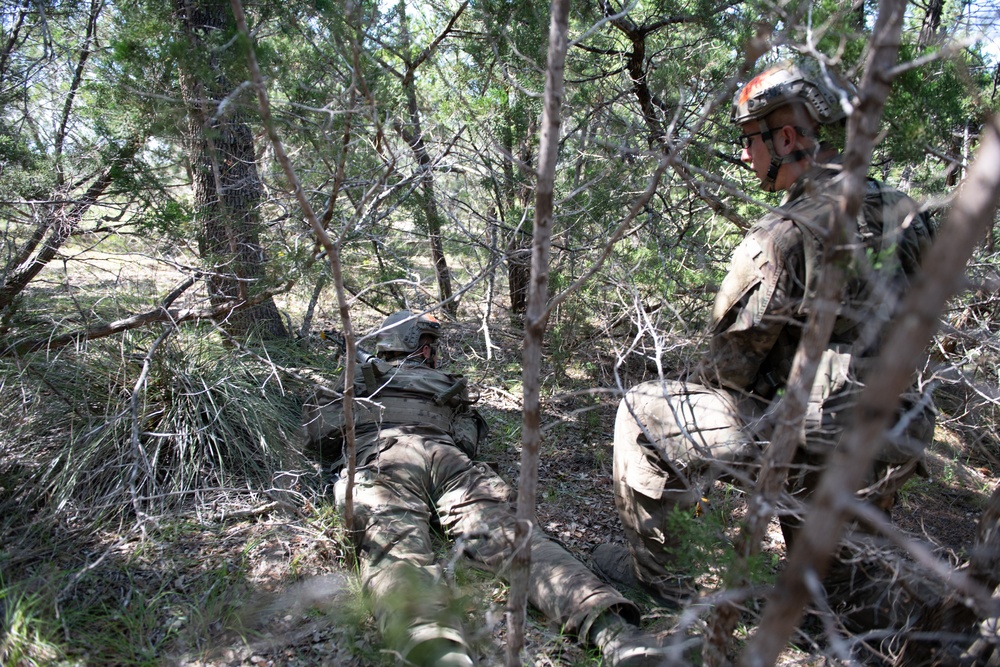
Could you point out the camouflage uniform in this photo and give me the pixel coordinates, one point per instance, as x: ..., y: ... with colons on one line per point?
x: 416, y: 470
x: 672, y: 439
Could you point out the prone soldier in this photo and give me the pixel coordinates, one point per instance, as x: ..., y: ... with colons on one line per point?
x: 416, y: 441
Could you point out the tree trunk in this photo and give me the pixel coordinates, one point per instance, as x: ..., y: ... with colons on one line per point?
x: 534, y: 330
x: 519, y: 246
x: 226, y: 182
x: 931, y: 25
x: 413, y: 135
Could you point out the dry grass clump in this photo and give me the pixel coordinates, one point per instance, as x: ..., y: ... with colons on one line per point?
x: 142, y: 424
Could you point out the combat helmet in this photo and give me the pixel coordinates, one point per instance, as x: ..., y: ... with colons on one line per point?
x: 819, y: 92
x: 801, y: 82
x: 400, y: 333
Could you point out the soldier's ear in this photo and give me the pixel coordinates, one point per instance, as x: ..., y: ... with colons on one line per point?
x: 785, y: 139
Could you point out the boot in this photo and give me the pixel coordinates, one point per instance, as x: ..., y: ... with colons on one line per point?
x: 613, y: 563
x: 625, y: 645
x: 438, y: 653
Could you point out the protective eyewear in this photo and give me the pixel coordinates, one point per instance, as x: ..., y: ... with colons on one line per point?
x: 744, y: 140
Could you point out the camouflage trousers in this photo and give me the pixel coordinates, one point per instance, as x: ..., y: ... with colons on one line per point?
x: 673, y: 440
x: 419, y: 480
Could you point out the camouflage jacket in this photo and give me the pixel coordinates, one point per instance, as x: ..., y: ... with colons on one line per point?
x: 391, y: 399
x: 762, y: 304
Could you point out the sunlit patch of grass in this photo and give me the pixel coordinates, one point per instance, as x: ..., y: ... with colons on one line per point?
x: 27, y: 636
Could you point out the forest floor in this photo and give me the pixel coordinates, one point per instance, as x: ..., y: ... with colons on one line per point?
x: 297, y: 624
x: 250, y: 579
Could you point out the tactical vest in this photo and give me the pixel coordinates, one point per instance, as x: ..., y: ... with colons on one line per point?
x: 892, y: 234
x: 407, y: 395
x: 393, y: 397
x: 885, y: 215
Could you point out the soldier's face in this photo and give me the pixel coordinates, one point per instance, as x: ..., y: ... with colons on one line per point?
x: 427, y: 350
x: 754, y: 151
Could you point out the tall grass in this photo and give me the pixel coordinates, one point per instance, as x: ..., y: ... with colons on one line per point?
x: 141, y: 424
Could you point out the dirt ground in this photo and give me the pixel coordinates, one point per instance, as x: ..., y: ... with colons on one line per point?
x: 299, y: 604
x: 296, y: 621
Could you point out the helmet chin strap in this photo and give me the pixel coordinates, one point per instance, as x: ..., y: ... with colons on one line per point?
x: 768, y: 184
x: 418, y: 358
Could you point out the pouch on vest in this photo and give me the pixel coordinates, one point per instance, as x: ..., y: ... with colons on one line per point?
x: 832, y: 379
x: 467, y: 430
x: 750, y: 266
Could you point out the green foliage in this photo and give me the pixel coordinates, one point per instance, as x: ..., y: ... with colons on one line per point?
x: 170, y: 218
x: 930, y: 106
x: 700, y: 546
x: 210, y: 417
x: 24, y: 173
x: 698, y: 540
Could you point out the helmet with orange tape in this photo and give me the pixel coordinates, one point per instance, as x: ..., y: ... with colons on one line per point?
x: 822, y: 94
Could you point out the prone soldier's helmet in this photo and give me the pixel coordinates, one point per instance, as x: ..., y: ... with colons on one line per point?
x: 400, y: 333
x: 819, y: 92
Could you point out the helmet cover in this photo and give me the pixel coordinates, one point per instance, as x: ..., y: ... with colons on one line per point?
x: 401, y: 331
x: 820, y: 92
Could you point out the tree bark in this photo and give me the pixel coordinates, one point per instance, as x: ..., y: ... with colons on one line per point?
x: 226, y: 182
x: 519, y: 245
x: 534, y: 330
x: 931, y: 24
x: 414, y: 137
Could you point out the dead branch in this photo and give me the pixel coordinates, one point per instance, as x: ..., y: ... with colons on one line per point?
x: 162, y: 313
x: 59, y: 223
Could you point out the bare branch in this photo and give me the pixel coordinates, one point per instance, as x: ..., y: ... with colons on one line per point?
x: 426, y: 53
x: 534, y: 329
x: 161, y: 313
